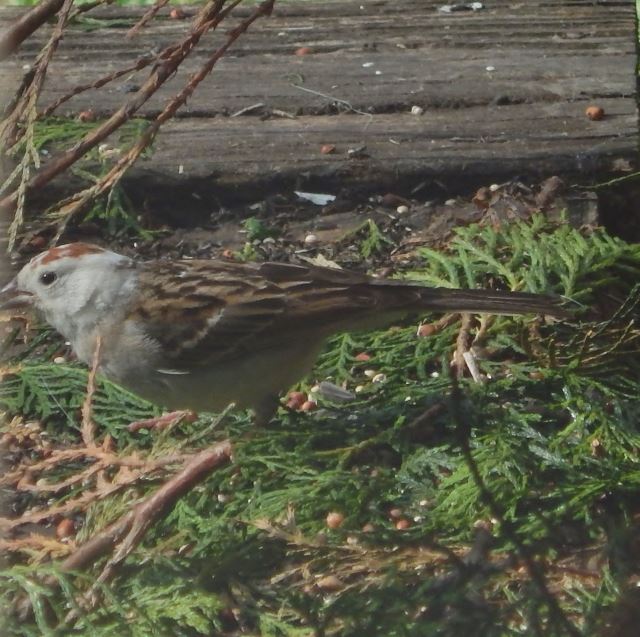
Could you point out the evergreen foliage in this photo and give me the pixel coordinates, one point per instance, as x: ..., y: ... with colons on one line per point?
x: 536, y: 468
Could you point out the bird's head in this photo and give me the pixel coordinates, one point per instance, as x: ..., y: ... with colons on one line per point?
x: 68, y: 282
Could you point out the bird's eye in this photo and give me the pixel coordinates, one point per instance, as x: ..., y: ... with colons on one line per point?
x: 47, y: 278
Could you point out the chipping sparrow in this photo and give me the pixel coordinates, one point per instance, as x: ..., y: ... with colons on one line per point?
x: 200, y: 334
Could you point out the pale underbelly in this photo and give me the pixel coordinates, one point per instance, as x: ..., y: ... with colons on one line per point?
x: 249, y: 382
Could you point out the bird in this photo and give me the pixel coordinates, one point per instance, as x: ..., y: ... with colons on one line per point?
x: 199, y: 334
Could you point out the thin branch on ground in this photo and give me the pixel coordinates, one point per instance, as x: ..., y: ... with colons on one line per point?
x: 463, y: 343
x: 99, y: 83
x: 131, y: 469
x: 136, y: 523
x: 127, y: 532
x: 160, y: 74
x: 332, y: 98
x: 88, y: 428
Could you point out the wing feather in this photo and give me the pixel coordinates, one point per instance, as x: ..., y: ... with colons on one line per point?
x: 201, y: 312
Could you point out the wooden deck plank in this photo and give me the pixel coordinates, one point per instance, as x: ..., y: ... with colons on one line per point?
x: 504, y: 89
x: 444, y: 134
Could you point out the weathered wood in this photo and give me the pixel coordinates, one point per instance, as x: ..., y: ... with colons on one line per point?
x: 504, y: 91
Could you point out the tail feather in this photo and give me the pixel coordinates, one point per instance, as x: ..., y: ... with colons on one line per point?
x: 489, y: 302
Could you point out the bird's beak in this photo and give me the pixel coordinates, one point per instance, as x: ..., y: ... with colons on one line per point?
x: 12, y: 297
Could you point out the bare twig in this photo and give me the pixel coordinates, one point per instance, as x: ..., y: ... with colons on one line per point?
x: 163, y: 422
x: 280, y: 113
x: 147, y: 17
x: 99, y: 454
x: 94, y: 461
x: 81, y: 88
x: 472, y: 365
x: 26, y: 105
x: 332, y: 98
x: 26, y: 24
x: 248, y: 109
x: 76, y: 203
x: 88, y: 428
x: 428, y: 329
x: 90, y: 6
x: 100, y: 544
x: 463, y: 342
x: 129, y: 530
x: 208, y: 18
x: 136, y: 523
x: 44, y: 545
x: 25, y: 108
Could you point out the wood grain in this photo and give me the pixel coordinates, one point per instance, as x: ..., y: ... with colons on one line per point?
x: 504, y: 91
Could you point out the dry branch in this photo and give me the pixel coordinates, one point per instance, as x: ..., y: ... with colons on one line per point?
x: 170, y: 59
x: 74, y: 204
x: 87, y: 427
x: 463, y: 343
x: 127, y: 532
x: 99, y: 83
x: 89, y: 6
x: 26, y: 24
x: 136, y: 523
x: 147, y: 17
x: 24, y: 108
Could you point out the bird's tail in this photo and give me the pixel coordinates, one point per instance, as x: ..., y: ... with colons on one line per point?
x: 482, y: 301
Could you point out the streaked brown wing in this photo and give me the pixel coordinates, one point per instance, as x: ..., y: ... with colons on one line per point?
x: 321, y: 297
x: 231, y: 309
x: 203, y: 311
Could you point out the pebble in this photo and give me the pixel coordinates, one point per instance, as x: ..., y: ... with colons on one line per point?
x: 417, y: 110
x: 311, y: 239
x: 402, y: 210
